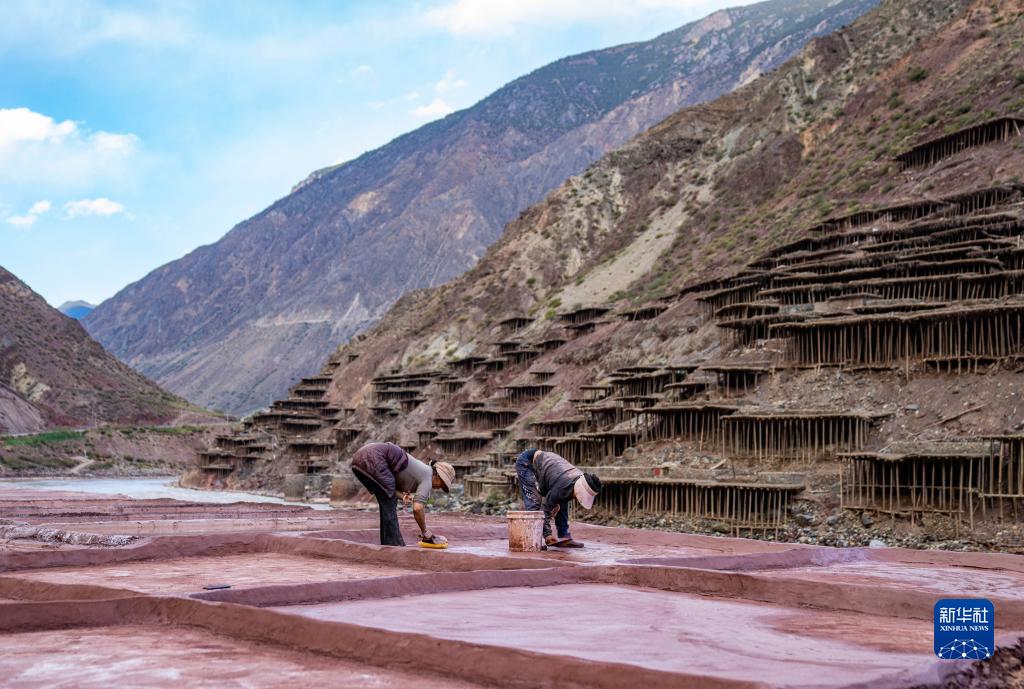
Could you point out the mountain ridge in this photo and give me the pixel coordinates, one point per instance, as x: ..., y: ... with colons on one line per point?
x: 53, y: 374
x: 78, y: 309
x: 233, y: 322
x: 419, y: 331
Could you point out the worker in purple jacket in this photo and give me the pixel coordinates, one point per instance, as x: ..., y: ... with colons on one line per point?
x: 385, y: 469
x: 549, y: 482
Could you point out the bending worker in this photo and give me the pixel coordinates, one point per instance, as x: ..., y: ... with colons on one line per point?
x: 548, y: 481
x: 385, y: 469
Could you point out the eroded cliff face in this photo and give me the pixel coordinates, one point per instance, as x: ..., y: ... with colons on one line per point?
x: 53, y: 374
x: 232, y: 324
x: 17, y: 415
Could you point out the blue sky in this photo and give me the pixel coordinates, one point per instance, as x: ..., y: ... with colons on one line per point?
x: 131, y: 133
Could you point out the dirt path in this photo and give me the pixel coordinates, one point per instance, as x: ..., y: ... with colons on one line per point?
x: 83, y: 463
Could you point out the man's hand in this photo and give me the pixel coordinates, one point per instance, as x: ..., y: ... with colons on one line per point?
x: 555, y: 510
x: 406, y: 499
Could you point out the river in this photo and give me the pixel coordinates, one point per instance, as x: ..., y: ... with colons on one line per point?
x: 147, y: 488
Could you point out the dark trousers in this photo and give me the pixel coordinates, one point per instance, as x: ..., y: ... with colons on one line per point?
x: 390, y: 533
x: 532, y: 499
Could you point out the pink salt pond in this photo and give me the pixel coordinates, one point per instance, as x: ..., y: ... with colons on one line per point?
x: 603, y: 545
x: 189, y: 574
x: 944, y: 581
x: 677, y: 632
x: 592, y: 553
x: 157, y: 657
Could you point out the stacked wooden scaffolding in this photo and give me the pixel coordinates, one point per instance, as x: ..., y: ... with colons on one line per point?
x: 934, y: 150
x: 990, y: 330
x: 514, y: 323
x: 559, y: 427
x: 583, y: 315
x: 528, y: 392
x: 915, y: 479
x: 801, y: 435
x: 459, y: 444
x: 693, y: 421
x: 311, y: 455
x: 493, y: 483
x: 1000, y: 486
x: 738, y: 378
x: 643, y: 313
x: 746, y: 507
x: 487, y: 418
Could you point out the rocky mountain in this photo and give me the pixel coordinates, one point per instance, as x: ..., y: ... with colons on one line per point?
x: 53, y: 374
x: 76, y: 309
x: 231, y: 324
x: 714, y: 186
x: 798, y: 305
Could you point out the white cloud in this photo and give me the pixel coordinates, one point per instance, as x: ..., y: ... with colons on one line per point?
x: 433, y: 110
x: 29, y: 219
x: 64, y: 27
x: 37, y: 151
x: 412, y: 95
x: 39, y: 207
x: 18, y: 125
x: 101, y: 206
x: 448, y: 82
x: 22, y: 220
x: 362, y: 71
x: 120, y: 143
x: 488, y: 17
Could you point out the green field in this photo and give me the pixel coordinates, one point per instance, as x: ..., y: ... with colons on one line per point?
x: 41, y: 438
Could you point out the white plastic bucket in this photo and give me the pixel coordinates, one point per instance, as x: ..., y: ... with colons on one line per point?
x: 525, y: 531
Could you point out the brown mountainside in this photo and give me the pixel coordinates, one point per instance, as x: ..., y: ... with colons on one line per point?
x: 53, y: 374
x: 714, y: 186
x: 817, y: 276
x: 232, y: 324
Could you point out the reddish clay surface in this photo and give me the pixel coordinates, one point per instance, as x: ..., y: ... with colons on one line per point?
x: 595, y: 552
x: 142, y: 656
x: 168, y: 527
x: 772, y: 614
x: 661, y: 630
x: 190, y: 574
x: 21, y: 545
x: 945, y: 582
x: 489, y: 537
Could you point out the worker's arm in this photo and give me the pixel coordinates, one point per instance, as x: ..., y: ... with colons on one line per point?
x: 550, y: 507
x: 552, y: 502
x: 418, y: 513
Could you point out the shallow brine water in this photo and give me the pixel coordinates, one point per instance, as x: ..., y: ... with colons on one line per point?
x: 146, y: 489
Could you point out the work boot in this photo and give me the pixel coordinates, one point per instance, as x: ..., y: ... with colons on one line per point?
x: 568, y: 543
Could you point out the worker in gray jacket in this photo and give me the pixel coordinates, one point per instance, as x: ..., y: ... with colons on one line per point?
x: 549, y: 482
x: 387, y: 471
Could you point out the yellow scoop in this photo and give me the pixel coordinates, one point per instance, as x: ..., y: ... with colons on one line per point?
x: 438, y: 546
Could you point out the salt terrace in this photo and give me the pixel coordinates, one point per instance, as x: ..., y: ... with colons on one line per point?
x: 109, y: 590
